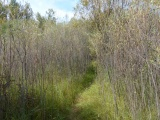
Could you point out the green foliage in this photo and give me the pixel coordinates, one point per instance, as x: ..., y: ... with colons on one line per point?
x: 14, y: 7
x: 26, y: 11
x: 51, y: 15
x: 55, y: 101
x: 3, y: 13
x: 3, y: 28
x: 15, y: 10
x: 89, y: 76
x: 41, y: 21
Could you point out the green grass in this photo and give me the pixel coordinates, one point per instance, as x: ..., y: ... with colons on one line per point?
x: 50, y: 100
x: 89, y: 77
x: 95, y: 103
x: 75, y: 98
x: 54, y: 101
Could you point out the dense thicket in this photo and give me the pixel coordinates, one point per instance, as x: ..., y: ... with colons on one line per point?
x: 126, y: 43
x: 49, y: 62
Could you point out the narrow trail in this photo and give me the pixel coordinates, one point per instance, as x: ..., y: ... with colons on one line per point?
x: 86, y: 82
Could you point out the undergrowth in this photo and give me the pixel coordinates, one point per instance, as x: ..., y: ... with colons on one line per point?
x: 78, y: 98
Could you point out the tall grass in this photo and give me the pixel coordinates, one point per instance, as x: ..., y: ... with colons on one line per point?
x: 54, y: 99
x: 98, y: 103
